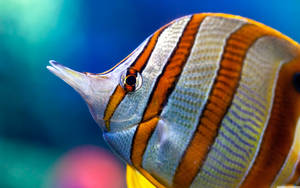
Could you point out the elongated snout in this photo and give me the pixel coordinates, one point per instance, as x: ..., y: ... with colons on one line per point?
x: 77, y: 80
x: 94, y: 88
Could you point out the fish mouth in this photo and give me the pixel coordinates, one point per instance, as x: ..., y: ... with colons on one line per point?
x: 65, y: 73
x: 55, y: 67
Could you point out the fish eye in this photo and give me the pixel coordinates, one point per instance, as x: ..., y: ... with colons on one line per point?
x: 296, y: 81
x: 131, y: 80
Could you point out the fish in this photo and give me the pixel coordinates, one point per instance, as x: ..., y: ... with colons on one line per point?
x: 208, y: 100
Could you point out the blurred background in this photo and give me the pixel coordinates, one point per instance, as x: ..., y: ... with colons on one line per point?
x: 47, y: 136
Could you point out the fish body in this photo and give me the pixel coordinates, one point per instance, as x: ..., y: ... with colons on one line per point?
x: 208, y: 100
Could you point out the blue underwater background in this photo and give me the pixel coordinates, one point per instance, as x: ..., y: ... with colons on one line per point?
x: 42, y: 119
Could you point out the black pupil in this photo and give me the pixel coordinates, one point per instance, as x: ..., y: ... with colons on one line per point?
x: 131, y: 80
x: 296, y: 81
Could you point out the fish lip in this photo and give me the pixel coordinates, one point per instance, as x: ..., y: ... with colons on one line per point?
x: 71, y: 77
x: 53, y: 62
x: 56, y: 68
x: 53, y: 67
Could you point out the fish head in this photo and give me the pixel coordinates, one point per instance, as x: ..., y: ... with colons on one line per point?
x: 94, y: 89
x: 97, y: 89
x: 110, y: 96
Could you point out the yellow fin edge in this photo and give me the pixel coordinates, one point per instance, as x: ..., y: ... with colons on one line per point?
x: 136, y: 179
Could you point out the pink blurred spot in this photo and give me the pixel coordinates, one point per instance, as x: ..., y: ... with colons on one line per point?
x: 89, y: 167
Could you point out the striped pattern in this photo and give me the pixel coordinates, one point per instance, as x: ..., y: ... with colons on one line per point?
x: 215, y: 106
x: 187, y: 100
x: 234, y: 148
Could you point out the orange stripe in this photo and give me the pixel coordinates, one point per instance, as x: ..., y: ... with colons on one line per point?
x: 138, y: 65
x: 113, y: 103
x: 279, y: 134
x: 163, y: 87
x: 140, y: 140
x: 223, y: 89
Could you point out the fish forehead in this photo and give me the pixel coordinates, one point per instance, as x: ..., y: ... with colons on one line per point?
x: 128, y: 61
